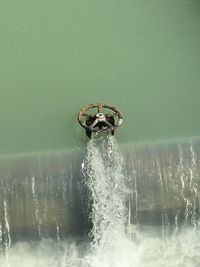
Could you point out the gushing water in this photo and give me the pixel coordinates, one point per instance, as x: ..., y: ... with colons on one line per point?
x: 103, y: 170
x: 104, y: 178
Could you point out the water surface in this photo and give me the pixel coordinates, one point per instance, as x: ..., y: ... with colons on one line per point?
x: 55, y: 57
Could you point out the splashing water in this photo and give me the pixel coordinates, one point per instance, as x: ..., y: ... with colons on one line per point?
x: 104, y: 178
x: 103, y: 169
x: 116, y: 202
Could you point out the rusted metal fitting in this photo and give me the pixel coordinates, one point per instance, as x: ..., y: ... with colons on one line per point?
x: 98, y: 121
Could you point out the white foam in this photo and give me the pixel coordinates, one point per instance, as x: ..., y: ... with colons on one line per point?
x: 147, y: 250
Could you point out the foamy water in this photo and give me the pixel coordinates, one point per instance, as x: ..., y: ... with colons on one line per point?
x: 147, y: 250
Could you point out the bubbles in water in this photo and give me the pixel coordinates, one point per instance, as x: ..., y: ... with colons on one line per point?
x: 147, y: 250
x: 104, y: 178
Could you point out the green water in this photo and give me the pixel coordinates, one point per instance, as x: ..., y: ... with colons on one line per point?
x: 142, y: 56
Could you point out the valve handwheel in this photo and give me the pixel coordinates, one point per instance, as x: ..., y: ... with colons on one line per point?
x: 99, y: 121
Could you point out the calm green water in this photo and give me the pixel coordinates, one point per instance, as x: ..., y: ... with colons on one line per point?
x: 56, y: 56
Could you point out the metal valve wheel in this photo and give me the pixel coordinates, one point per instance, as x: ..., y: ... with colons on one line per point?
x: 99, y: 121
